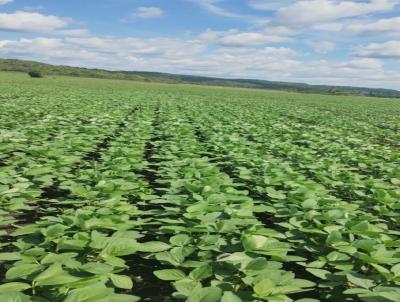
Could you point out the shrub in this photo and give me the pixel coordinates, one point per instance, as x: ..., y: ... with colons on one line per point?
x: 35, y: 74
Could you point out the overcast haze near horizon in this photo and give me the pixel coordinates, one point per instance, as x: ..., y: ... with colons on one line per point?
x: 329, y: 42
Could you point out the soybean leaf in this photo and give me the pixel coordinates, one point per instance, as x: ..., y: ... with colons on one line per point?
x: 14, y: 297
x: 153, y: 246
x: 360, y: 280
x: 121, y: 281
x: 170, y: 274
x: 206, y: 294
x: 230, y: 297
x: 13, y: 287
x: 54, y: 275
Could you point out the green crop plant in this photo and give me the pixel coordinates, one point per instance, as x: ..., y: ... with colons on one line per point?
x: 121, y: 191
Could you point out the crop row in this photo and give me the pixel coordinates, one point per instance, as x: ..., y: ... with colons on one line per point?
x: 123, y: 192
x: 346, y: 244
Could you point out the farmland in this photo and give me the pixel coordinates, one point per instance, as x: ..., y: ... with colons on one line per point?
x: 121, y: 191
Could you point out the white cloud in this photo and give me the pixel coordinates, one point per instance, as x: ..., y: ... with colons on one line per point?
x: 33, y: 22
x: 51, y: 49
x: 166, y: 48
x: 322, y: 46
x: 310, y: 12
x: 330, y: 26
x: 364, y: 27
x: 267, y: 50
x: 147, y: 12
x: 73, y: 32
x: 30, y: 22
x: 353, y: 73
x: 250, y: 38
x: 3, y: 2
x: 156, y: 54
x: 389, y: 25
x: 197, y: 56
x: 365, y: 63
x: 212, y: 7
x: 389, y: 49
x: 236, y: 38
x: 269, y: 5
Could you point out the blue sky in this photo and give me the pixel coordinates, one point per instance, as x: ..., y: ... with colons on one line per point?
x: 349, y: 42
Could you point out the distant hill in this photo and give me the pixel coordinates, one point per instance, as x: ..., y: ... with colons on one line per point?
x: 48, y: 69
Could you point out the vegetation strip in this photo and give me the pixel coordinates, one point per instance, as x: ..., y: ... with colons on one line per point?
x: 124, y: 192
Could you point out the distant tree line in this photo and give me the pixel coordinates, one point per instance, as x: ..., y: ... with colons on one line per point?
x: 38, y: 70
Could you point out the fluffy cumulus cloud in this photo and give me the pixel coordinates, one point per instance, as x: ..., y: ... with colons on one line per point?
x: 269, y: 5
x: 389, y: 49
x: 308, y: 12
x: 113, y: 53
x: 293, y: 42
x: 371, y: 27
x: 33, y: 22
x: 199, y: 56
x: 213, y: 7
x: 244, y: 39
x: 350, y: 16
x: 30, y: 22
x: 322, y: 46
x: 147, y: 12
x: 168, y: 54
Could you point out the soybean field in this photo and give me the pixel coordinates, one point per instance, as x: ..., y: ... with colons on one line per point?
x: 121, y: 191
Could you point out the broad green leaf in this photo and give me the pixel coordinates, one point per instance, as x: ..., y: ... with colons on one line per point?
x: 396, y: 269
x: 201, y: 272
x: 256, y: 266
x: 121, y: 247
x: 89, y: 294
x: 54, y: 231
x: 97, y: 268
x: 38, y: 171
x: 334, y: 237
x: 309, y: 204
x: 153, y: 247
x: 120, y: 298
x: 238, y: 257
x: 180, y: 240
x: 393, y: 296
x: 26, y: 230
x: 66, y: 259
x: 14, y: 256
x: 121, y: 281
x: 265, y: 245
x: 264, y: 288
x: 360, y: 280
x: 230, y: 297
x: 13, y: 287
x: 170, y: 274
x: 14, y: 297
x: 54, y: 275
x: 275, y: 194
x: 22, y: 270
x: 320, y: 273
x: 71, y: 244
x: 302, y: 283
x: 382, y: 270
x: 113, y: 260
x: 186, y: 286
x: 206, y: 294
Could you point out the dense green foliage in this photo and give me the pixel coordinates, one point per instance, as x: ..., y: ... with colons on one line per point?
x: 47, y: 69
x: 35, y: 74
x: 124, y: 191
x: 53, y: 70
